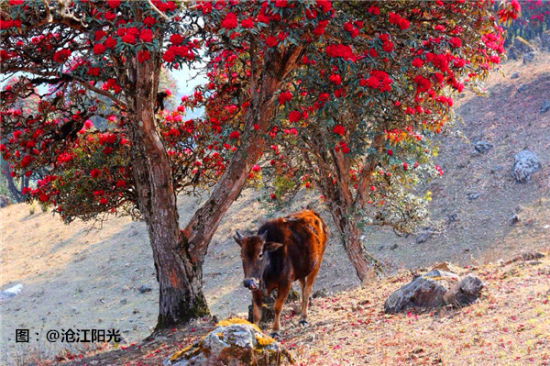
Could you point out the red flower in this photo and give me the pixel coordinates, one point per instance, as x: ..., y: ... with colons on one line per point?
x: 256, y: 168
x: 339, y: 130
x: 271, y: 41
x: 387, y: 46
x: 113, y: 4
x: 247, y: 23
x: 146, y: 35
x: 120, y: 183
x: 325, y: 5
x: 284, y: 97
x: 230, y: 21
x: 335, y: 78
x: 417, y: 62
x: 27, y: 159
x: 143, y: 56
x: 128, y: 38
x: 94, y: 173
x: 455, y: 42
x: 62, y: 55
x: 176, y: 39
x: 390, y: 152
x: 272, y: 196
x: 110, y: 42
x: 234, y: 135
x: 149, y: 21
x: 340, y: 50
x: 103, y: 201
x: 98, y: 49
x: 405, y: 166
x: 294, y: 116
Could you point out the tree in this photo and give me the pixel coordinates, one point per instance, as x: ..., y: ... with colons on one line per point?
x: 373, y: 84
x: 92, y: 51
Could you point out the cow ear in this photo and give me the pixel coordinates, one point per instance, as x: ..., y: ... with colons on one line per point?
x: 263, y: 236
x: 238, y: 238
x: 272, y: 246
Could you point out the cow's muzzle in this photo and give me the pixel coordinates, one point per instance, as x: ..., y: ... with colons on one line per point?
x: 251, y: 283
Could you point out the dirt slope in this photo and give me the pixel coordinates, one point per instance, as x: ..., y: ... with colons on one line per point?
x: 78, y: 276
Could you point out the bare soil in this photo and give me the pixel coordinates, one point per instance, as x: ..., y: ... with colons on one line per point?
x: 85, y: 276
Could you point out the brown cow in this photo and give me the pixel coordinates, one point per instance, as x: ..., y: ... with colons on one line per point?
x: 284, y: 250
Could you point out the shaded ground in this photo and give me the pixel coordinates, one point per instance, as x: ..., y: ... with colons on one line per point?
x: 509, y: 324
x: 79, y: 277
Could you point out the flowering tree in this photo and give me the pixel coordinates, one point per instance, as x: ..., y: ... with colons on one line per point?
x: 343, y: 84
x: 374, y: 81
x: 101, y: 60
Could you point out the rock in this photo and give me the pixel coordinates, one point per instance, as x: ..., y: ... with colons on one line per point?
x: 525, y: 164
x: 529, y: 256
x: 522, y: 88
x: 473, y: 196
x: 528, y: 57
x: 545, y: 107
x: 421, y: 292
x: 123, y: 302
x: 482, y: 146
x: 515, y: 75
x: 320, y: 293
x: 11, y: 291
x: 4, y: 201
x: 514, y: 219
x: 465, y: 292
x: 144, y: 288
x: 423, y: 236
x: 433, y: 289
x: 233, y: 342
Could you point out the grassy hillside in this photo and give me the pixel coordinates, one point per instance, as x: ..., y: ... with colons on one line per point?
x: 84, y: 276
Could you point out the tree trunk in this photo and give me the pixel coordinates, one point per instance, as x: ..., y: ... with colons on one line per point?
x: 202, y: 226
x: 181, y: 297
x: 362, y: 261
x: 15, y: 193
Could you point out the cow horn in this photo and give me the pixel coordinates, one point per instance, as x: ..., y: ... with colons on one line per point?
x: 263, y: 235
x: 238, y: 237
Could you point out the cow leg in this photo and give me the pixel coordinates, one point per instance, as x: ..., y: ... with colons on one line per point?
x: 306, y: 291
x: 257, y: 306
x: 282, y: 294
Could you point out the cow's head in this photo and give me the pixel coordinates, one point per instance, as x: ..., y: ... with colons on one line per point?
x: 255, y: 260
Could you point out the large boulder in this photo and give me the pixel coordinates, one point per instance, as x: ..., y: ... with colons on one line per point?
x: 525, y: 164
x: 233, y: 342
x: 434, y: 289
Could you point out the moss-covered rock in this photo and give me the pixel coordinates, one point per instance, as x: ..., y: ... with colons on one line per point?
x: 233, y: 342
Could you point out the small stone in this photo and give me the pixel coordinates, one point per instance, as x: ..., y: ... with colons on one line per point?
x: 123, y: 302
x: 473, y: 196
x: 394, y: 246
x: 515, y: 75
x: 482, y: 146
x: 144, y: 288
x: 545, y: 107
x: 320, y: 293
x: 528, y: 57
x: 525, y: 164
x: 423, y: 236
x: 514, y: 219
x: 522, y: 88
